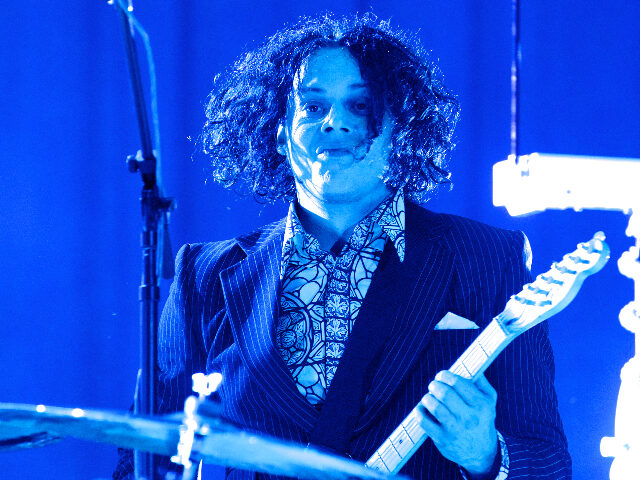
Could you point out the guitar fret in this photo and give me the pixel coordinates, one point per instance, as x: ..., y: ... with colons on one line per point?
x: 413, y: 429
x: 492, y: 337
x: 377, y: 463
x: 389, y: 455
x: 401, y: 441
x: 408, y: 434
x: 462, y: 364
x: 480, y: 352
x: 412, y: 425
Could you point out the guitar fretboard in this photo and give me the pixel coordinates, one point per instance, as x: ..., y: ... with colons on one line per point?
x: 407, y: 438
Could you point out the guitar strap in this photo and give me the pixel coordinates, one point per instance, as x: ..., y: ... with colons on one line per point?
x: 346, y: 395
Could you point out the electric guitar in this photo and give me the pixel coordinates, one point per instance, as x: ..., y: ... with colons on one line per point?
x: 545, y: 296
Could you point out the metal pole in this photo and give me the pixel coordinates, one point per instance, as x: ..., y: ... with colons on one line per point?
x: 515, y: 80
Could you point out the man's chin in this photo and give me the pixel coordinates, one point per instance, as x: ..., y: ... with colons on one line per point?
x: 333, y: 166
x: 338, y: 188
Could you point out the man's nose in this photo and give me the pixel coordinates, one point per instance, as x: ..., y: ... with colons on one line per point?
x: 337, y: 120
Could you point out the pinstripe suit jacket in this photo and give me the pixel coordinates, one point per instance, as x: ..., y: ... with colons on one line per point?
x: 223, y: 308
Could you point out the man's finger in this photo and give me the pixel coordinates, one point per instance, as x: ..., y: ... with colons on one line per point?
x: 448, y: 396
x: 438, y: 409
x: 429, y: 424
x: 465, y: 388
x: 485, y: 387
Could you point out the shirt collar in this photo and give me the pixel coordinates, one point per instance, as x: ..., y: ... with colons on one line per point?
x: 388, y: 215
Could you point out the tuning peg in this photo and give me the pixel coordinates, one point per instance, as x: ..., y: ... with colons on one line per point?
x: 528, y: 301
x: 550, y: 279
x: 596, y: 244
x: 535, y: 289
x: 562, y: 268
x: 577, y: 259
x: 523, y: 300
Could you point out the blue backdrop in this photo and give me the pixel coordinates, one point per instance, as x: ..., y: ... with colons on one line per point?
x: 70, y: 218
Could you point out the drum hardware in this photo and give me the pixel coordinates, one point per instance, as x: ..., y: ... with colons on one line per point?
x: 155, y: 245
x: 193, y: 430
x: 221, y: 443
x: 15, y: 441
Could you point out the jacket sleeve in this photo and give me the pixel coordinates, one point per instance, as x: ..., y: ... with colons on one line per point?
x: 523, y: 376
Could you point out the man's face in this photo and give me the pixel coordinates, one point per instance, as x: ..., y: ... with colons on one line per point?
x: 326, y: 137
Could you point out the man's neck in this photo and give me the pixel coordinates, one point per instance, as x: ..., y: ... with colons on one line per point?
x: 328, y: 221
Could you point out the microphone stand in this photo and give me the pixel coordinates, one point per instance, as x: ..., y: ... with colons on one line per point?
x: 154, y: 208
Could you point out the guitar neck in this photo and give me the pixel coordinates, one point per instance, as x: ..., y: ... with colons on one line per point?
x: 545, y: 296
x: 407, y: 438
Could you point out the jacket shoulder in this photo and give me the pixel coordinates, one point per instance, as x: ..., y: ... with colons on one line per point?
x: 192, y: 257
x: 202, y: 262
x: 464, y: 236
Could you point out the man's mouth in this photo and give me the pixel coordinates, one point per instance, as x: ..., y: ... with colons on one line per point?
x: 357, y: 152
x: 326, y: 153
x: 334, y: 151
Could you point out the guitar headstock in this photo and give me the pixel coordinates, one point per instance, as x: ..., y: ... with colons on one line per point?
x: 551, y: 291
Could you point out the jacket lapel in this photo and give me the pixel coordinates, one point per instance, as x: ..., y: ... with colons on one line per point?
x: 412, y: 297
x: 251, y: 291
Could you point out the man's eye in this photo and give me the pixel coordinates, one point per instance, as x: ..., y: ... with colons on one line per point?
x: 312, y: 108
x: 361, y: 107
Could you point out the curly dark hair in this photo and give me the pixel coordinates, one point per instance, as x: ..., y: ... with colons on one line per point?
x: 250, y: 100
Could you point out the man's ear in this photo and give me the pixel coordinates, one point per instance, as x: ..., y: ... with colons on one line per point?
x: 281, y: 140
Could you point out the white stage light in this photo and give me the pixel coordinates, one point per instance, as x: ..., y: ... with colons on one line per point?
x: 542, y: 181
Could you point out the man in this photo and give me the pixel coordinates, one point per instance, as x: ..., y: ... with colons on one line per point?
x: 341, y: 300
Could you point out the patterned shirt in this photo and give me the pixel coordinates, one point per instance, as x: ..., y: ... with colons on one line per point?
x: 322, y: 292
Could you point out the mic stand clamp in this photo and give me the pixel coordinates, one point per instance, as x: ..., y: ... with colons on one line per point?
x: 153, y: 205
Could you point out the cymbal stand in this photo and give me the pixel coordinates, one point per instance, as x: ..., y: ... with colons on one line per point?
x: 625, y: 446
x: 194, y: 428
